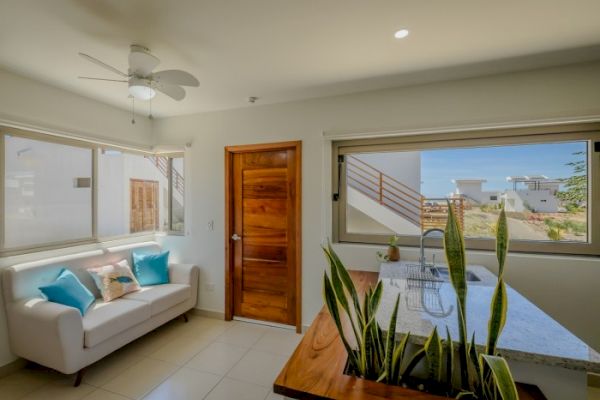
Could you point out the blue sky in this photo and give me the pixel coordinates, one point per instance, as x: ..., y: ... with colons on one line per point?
x: 439, y: 167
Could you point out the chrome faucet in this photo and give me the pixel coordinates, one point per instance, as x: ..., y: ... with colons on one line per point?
x: 423, y: 235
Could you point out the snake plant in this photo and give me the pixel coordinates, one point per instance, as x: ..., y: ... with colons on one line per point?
x: 375, y: 355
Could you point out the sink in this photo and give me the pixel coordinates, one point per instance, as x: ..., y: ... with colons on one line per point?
x: 443, y: 273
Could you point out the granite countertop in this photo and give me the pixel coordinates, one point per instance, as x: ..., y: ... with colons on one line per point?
x: 529, y: 335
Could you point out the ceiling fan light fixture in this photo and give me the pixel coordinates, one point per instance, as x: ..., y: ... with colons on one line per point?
x: 141, y: 89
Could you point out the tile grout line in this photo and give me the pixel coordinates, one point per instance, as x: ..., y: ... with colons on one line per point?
x: 232, y: 367
x: 181, y: 366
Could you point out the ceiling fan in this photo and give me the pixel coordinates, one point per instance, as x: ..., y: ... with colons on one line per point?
x: 142, y: 82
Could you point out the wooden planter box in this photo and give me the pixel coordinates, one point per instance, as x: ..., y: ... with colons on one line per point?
x: 316, y: 369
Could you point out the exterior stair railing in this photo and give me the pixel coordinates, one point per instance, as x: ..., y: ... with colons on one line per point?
x: 162, y: 164
x: 403, y: 200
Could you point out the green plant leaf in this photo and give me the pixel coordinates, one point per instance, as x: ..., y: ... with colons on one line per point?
x: 449, y: 349
x: 454, y: 248
x: 332, y: 306
x: 347, y: 281
x: 473, y: 355
x: 503, y: 380
x: 390, y: 341
x: 338, y: 288
x: 501, y: 241
x: 398, y: 356
x: 415, y: 359
x: 498, y: 309
x: 433, y: 352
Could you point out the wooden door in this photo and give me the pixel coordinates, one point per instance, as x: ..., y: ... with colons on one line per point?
x: 143, y: 215
x: 264, y: 233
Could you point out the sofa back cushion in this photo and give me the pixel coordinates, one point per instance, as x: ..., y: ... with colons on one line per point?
x: 21, y: 281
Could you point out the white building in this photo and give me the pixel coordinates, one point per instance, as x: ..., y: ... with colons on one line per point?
x: 536, y: 193
x: 472, y: 189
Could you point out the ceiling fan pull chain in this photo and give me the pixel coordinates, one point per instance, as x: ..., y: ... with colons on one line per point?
x: 150, y: 114
x: 132, y: 110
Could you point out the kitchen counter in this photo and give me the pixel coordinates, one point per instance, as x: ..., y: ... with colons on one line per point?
x: 529, y: 335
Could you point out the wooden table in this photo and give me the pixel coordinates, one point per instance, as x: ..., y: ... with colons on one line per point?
x: 316, y: 369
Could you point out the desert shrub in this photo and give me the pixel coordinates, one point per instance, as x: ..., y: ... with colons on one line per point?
x: 554, y: 234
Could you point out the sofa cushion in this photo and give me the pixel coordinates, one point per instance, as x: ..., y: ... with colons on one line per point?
x: 114, y: 280
x: 106, y: 319
x: 161, y: 297
x: 151, y: 269
x: 69, y: 291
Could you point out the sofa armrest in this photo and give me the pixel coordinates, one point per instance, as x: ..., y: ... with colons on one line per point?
x: 48, y: 333
x: 183, y: 273
x: 187, y: 274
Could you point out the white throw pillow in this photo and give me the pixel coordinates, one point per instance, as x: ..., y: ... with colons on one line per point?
x: 114, y: 280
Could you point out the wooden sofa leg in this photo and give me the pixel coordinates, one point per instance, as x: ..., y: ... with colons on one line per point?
x: 79, y: 377
x: 185, y: 317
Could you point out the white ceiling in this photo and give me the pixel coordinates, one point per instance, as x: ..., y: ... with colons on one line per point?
x: 284, y: 50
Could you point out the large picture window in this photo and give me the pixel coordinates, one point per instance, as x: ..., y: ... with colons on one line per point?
x: 542, y: 178
x: 57, y: 192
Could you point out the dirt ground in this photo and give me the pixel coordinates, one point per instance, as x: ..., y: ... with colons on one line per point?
x: 527, y: 225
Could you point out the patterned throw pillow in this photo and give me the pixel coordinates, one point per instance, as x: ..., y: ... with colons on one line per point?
x: 114, y: 280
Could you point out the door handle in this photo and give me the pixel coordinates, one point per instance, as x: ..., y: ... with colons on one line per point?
x: 235, y: 236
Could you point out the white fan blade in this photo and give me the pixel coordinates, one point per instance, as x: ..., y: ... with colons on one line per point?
x: 103, y: 65
x: 175, y: 77
x: 141, y: 63
x: 173, y: 91
x: 102, y: 79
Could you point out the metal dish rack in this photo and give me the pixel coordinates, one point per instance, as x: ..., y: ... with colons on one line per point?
x: 422, y: 277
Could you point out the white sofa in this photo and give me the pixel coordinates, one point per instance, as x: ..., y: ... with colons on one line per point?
x: 58, y: 337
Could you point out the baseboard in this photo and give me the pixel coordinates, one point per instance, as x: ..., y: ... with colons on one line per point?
x: 221, y: 315
x: 207, y: 313
x: 593, y: 380
x: 13, y: 366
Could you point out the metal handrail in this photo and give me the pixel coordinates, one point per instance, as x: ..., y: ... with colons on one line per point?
x: 162, y: 164
x: 399, y: 197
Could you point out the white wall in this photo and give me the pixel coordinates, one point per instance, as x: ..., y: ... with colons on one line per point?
x: 562, y: 286
x: 403, y: 166
x: 536, y: 200
x: 29, y: 103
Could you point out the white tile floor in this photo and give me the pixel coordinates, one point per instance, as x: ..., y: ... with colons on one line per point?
x: 203, y: 359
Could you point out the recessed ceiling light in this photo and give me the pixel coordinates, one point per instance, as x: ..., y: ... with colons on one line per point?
x: 401, y: 34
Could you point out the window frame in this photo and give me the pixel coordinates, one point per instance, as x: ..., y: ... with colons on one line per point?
x: 589, y: 132
x: 95, y: 147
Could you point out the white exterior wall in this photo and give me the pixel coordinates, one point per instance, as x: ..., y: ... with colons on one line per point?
x: 473, y: 190
x: 403, y: 166
x: 381, y: 214
x: 536, y: 200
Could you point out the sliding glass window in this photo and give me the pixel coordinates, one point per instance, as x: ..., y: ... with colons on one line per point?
x: 57, y: 192
x: 47, y: 192
x: 403, y: 186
